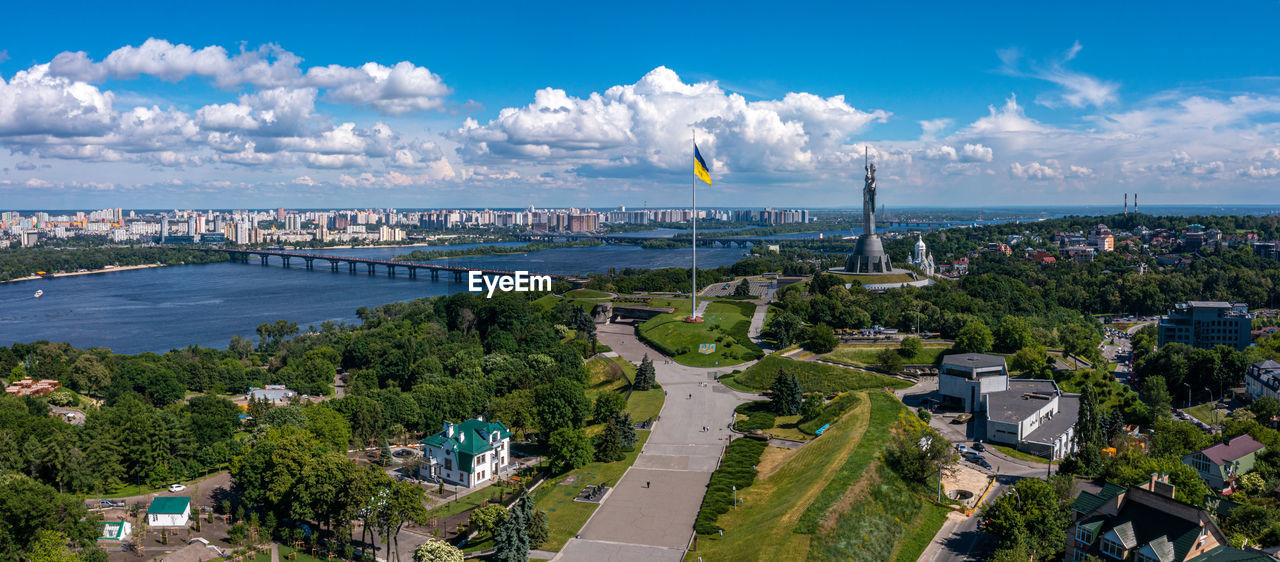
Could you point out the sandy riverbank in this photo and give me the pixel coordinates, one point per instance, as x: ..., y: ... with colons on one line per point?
x: 89, y: 272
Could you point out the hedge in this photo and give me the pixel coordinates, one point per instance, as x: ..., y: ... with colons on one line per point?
x: 759, y: 416
x: 736, y: 469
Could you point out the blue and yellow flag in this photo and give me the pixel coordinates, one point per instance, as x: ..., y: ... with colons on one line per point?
x: 700, y: 168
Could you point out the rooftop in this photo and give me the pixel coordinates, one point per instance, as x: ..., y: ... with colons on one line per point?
x: 169, y: 506
x: 1024, y: 398
x: 973, y: 361
x: 1232, y: 450
x: 1068, y: 411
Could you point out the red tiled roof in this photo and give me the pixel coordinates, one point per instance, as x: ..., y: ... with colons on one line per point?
x: 1232, y: 450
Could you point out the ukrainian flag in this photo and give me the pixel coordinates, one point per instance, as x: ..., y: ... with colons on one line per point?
x: 700, y: 166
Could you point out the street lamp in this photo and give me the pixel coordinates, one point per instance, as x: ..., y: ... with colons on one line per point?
x: 1188, y: 385
x: 1213, y: 405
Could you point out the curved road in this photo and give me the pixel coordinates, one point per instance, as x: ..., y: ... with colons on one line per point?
x: 649, y: 514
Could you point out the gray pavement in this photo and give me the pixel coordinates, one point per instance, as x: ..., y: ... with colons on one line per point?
x: 649, y: 515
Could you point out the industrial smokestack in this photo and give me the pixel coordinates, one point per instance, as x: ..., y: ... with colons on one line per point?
x: 1135, y: 203
x: 1126, y: 204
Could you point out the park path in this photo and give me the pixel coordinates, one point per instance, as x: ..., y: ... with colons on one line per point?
x: 650, y: 512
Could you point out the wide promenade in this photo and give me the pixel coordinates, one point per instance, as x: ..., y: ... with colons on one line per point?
x: 650, y: 512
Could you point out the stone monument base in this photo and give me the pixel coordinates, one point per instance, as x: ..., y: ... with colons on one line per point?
x: 868, y: 257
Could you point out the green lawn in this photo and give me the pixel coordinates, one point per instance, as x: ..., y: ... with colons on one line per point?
x: 731, y: 381
x: 865, y: 355
x: 877, y: 278
x: 614, y: 374
x: 587, y: 294
x: 1204, y: 413
x: 1010, y: 451
x: 469, y: 501
x: 566, y: 517
x: 725, y: 324
x: 646, y: 404
x: 785, y: 427
x: 141, y: 489
x: 814, y: 377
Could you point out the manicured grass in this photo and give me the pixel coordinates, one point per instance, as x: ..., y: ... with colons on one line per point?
x: 884, y: 412
x: 566, y: 517
x: 725, y: 324
x: 877, y: 278
x: 614, y: 374
x: 813, y: 377
x: 1010, y: 451
x: 587, y: 294
x: 789, y: 479
x: 464, y: 503
x: 786, y: 427
x: 1204, y: 413
x: 138, y: 490
x: 920, y: 534
x: 865, y: 355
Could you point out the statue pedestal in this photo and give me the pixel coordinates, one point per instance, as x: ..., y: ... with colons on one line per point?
x: 868, y: 256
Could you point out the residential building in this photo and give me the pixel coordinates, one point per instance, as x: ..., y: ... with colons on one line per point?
x: 1032, y: 415
x: 1101, y: 239
x: 274, y: 393
x: 468, y: 453
x: 1263, y: 379
x: 29, y: 387
x: 1204, y: 324
x: 1220, y: 464
x: 169, y: 512
x: 1145, y: 524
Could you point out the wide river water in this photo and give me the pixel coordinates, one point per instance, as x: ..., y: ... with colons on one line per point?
x: 172, y: 307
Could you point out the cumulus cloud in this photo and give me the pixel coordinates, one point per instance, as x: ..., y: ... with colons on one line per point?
x: 1050, y: 170
x: 1256, y: 171
x: 645, y: 127
x: 929, y: 129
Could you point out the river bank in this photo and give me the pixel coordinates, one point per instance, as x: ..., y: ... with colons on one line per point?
x: 86, y: 272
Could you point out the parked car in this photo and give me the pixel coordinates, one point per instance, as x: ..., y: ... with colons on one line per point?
x: 176, y: 488
x: 978, y: 446
x: 984, y: 464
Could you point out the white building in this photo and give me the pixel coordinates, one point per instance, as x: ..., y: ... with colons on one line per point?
x: 169, y: 512
x: 921, y: 258
x: 467, y: 453
x: 1032, y: 415
x: 1263, y: 379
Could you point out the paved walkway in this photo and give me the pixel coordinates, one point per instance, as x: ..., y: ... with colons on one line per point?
x: 649, y: 514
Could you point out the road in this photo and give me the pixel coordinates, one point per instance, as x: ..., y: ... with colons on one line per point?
x: 650, y: 512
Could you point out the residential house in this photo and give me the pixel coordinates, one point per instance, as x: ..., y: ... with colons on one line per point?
x: 468, y: 453
x: 1145, y: 524
x: 169, y: 512
x: 1220, y: 464
x: 1262, y: 379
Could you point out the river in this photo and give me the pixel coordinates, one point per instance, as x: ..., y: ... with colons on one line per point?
x: 172, y: 307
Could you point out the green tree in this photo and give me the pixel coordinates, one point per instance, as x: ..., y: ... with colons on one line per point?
x: 608, y: 443
x: 1156, y: 396
x: 1088, y: 432
x: 785, y: 397
x: 743, y: 289
x: 812, y: 407
x: 974, y: 337
x: 569, y: 449
x: 784, y: 328
x: 909, y: 347
x: 535, y: 521
x: 1265, y: 408
x: 561, y: 404
x: 1032, y: 515
x: 1011, y: 334
x: 608, y: 404
x: 889, y: 360
x: 1032, y: 360
x: 822, y: 339
x: 626, y: 430
x: 645, y: 375
x: 485, y: 519
x: 917, y: 452
x: 51, y: 546
x: 511, y: 544
x: 436, y: 550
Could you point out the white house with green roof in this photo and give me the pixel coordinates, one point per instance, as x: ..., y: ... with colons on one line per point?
x: 468, y: 453
x: 169, y: 511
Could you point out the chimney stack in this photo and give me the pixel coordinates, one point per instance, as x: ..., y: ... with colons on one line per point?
x: 1126, y: 204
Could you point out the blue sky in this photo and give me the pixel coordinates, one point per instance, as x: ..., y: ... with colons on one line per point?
x: 591, y: 104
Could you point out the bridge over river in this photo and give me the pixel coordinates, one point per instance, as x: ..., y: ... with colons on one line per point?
x: 353, y: 263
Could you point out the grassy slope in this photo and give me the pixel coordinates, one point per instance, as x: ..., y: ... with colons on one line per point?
x: 601, y: 377
x: 814, y: 377
x: 865, y: 355
x: 728, y: 321
x: 587, y: 294
x: 566, y: 517
x: 877, y: 278
x: 789, y: 479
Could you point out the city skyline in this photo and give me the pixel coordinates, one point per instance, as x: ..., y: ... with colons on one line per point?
x: 231, y: 113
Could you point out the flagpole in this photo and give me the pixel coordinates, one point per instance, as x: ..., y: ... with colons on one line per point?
x: 693, y: 191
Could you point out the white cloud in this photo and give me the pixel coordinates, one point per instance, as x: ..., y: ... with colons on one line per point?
x: 929, y: 129
x: 642, y: 128
x: 976, y: 153
x: 1256, y: 171
x: 305, y: 180
x: 1077, y: 89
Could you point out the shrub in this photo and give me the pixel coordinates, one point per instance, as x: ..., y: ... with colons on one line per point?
x: 830, y: 412
x: 736, y: 469
x: 759, y: 416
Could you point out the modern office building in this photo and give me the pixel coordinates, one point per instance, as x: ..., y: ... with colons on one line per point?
x: 1033, y: 415
x: 1205, y: 324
